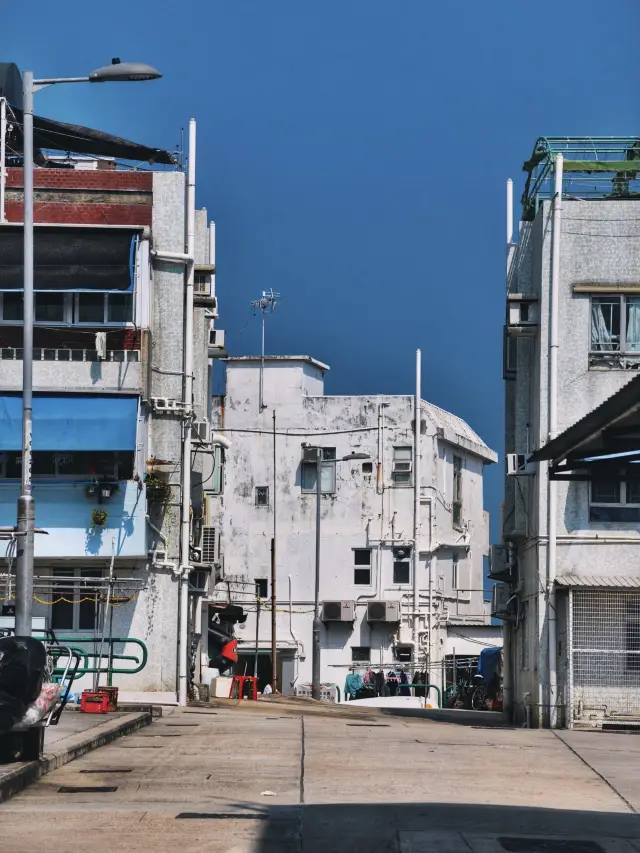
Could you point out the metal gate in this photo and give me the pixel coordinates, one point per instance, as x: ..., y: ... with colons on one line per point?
x: 604, y: 655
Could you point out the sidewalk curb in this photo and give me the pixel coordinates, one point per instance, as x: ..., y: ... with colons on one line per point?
x: 70, y: 748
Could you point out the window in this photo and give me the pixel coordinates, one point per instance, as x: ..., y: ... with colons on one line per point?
x: 367, y: 467
x: 85, y: 465
x: 455, y: 574
x: 633, y: 635
x: 615, y: 324
x: 402, y: 466
x: 327, y: 473
x: 403, y: 654
x: 362, y: 567
x: 50, y: 307
x: 509, y: 355
x: 69, y: 308
x: 262, y: 587
x: 457, y: 492
x: 615, y: 500
x: 12, y: 307
x: 262, y: 495
x: 402, y: 571
x: 360, y: 654
x: 75, y: 600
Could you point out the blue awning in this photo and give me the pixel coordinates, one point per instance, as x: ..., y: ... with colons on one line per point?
x: 71, y: 422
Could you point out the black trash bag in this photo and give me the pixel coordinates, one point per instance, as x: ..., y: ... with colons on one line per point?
x: 22, y: 665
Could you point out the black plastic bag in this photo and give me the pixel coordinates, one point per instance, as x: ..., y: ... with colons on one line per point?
x: 22, y: 666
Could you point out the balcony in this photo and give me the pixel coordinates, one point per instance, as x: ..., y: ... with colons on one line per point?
x: 76, y: 370
x: 65, y: 511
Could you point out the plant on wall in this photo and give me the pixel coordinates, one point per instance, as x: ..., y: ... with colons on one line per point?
x: 98, y: 517
x: 158, y: 491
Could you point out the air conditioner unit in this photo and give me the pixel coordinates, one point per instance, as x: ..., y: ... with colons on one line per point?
x: 522, y: 314
x: 501, y: 603
x: 404, y: 467
x: 201, y: 432
x: 517, y: 464
x: 383, y: 611
x: 216, y: 338
x: 309, y: 454
x: 338, y: 611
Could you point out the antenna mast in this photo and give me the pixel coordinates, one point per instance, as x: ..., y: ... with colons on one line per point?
x: 267, y: 302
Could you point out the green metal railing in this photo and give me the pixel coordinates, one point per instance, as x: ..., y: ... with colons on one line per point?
x: 105, y: 666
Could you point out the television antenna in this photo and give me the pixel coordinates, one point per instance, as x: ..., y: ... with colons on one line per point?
x: 266, y: 304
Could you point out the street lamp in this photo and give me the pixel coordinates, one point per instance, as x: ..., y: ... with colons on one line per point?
x: 116, y: 72
x: 317, y: 622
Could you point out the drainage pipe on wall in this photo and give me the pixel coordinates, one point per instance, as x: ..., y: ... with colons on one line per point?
x: 416, y: 504
x: 185, y: 521
x: 552, y: 494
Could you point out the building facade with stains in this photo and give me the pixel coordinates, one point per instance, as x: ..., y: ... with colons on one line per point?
x: 272, y: 413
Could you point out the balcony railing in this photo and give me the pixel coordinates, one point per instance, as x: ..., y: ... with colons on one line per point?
x: 66, y: 355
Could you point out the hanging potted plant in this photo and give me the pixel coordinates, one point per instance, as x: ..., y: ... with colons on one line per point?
x: 98, y: 517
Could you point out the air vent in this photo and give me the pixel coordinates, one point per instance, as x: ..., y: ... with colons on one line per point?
x: 208, y: 544
x: 402, y: 553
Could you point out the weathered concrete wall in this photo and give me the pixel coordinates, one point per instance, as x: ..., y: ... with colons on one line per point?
x: 366, y: 511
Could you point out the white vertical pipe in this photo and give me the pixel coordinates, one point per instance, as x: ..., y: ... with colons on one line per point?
x: 552, y: 494
x: 185, y: 523
x: 3, y: 154
x: 416, y: 504
x: 509, y: 212
x: 212, y: 255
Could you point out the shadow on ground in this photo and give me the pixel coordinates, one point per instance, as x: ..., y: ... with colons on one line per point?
x: 422, y: 828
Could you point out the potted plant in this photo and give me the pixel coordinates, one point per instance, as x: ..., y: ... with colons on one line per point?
x: 98, y: 517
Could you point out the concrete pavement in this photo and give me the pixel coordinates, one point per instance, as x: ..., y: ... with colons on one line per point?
x: 299, y: 778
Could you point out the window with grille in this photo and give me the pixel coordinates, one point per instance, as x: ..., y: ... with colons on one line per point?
x: 402, y: 572
x: 262, y: 495
x: 208, y: 544
x: 362, y: 566
x: 457, y: 492
x: 360, y: 654
x: 327, y: 473
x: 615, y: 500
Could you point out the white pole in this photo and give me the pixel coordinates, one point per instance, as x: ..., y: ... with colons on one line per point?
x: 416, y: 504
x: 552, y: 495
x: 212, y: 255
x: 509, y: 212
x: 185, y: 524
x: 3, y: 154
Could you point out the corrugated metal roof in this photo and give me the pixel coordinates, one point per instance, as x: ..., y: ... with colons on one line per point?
x: 619, y: 581
x: 448, y: 421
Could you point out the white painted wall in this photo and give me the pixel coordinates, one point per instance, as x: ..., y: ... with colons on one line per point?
x: 367, y: 511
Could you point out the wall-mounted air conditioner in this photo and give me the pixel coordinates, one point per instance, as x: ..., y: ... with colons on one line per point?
x: 310, y: 454
x: 503, y: 603
x: 517, y: 464
x: 383, y: 611
x: 201, y: 432
x: 338, y: 611
x: 216, y: 338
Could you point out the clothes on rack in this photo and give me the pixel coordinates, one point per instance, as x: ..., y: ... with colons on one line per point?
x: 393, y: 683
x: 381, y: 684
x: 369, y: 676
x: 405, y: 690
x: 353, y: 683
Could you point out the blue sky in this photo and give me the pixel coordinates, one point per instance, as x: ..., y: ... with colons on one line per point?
x: 354, y: 156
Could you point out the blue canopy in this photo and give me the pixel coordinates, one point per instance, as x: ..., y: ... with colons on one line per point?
x: 489, y: 660
x: 71, y: 422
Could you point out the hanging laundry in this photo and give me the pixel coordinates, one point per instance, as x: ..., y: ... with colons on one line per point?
x: 405, y: 690
x: 393, y: 683
x: 352, y: 684
x: 380, y: 684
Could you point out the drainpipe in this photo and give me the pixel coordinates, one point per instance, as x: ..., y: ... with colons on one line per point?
x: 185, y: 523
x: 552, y: 494
x: 416, y: 503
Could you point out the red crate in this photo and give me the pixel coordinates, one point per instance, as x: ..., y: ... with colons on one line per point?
x: 94, y: 703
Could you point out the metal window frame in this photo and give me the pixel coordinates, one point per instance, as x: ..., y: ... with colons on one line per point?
x: 360, y: 659
x: 621, y: 298
x: 621, y: 503
x: 401, y: 563
x: 329, y: 463
x: 77, y: 573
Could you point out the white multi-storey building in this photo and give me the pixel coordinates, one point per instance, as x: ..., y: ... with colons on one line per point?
x: 387, y: 595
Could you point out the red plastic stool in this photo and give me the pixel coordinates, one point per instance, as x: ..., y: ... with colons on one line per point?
x: 244, y: 684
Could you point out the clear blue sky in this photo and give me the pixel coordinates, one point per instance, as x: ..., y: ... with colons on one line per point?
x: 353, y: 155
